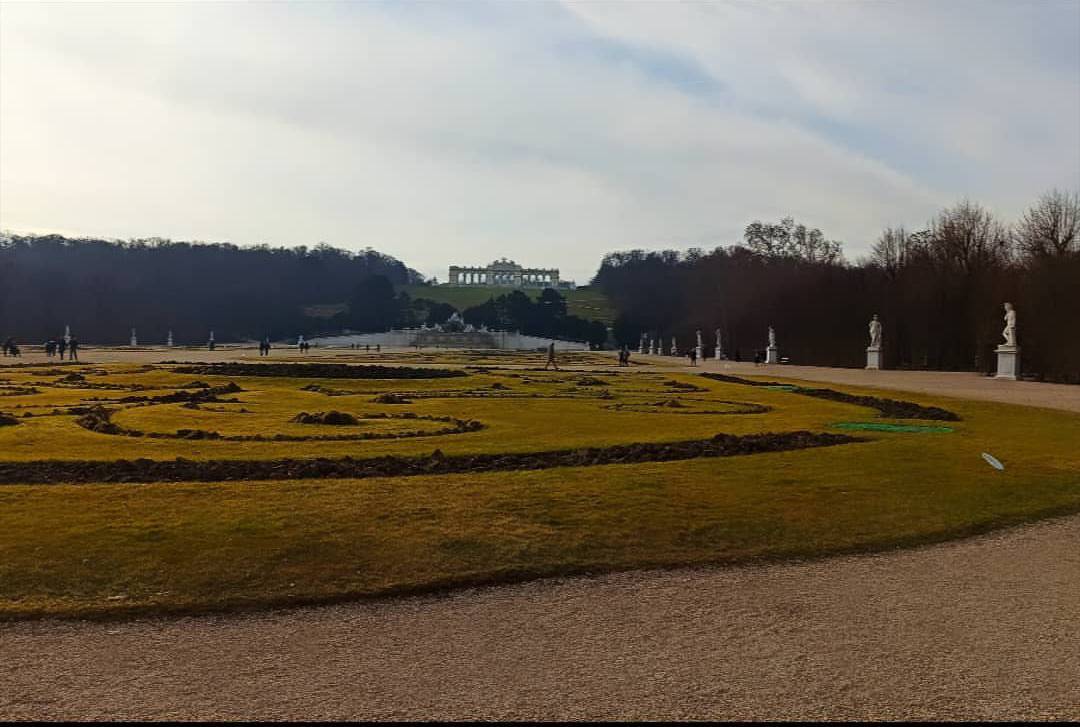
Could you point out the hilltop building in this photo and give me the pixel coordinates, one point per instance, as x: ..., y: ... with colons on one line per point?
x: 507, y: 273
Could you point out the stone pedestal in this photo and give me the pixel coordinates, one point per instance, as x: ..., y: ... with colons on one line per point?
x: 1008, y: 362
x: 699, y: 353
x: 873, y: 357
x: 772, y: 354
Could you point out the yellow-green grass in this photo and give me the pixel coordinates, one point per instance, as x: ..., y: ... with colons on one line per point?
x: 584, y: 302
x: 122, y: 548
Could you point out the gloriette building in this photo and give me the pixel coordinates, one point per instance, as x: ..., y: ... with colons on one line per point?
x: 507, y: 273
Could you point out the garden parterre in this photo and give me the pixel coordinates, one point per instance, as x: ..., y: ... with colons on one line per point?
x: 115, y: 548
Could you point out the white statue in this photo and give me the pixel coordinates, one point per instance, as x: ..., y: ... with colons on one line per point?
x: 67, y: 334
x: 641, y: 344
x: 169, y: 340
x: 134, y: 340
x: 875, y: 332
x: 674, y: 348
x: 300, y: 340
x: 719, y: 347
x: 1010, y: 325
x: 772, y: 337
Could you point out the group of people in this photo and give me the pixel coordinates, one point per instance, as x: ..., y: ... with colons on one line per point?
x: 624, y: 356
x: 61, y: 346
x: 264, y: 347
x: 366, y: 347
x: 52, y: 347
x: 304, y: 346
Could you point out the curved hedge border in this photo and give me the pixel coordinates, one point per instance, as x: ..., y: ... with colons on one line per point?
x: 891, y: 408
x: 318, y: 371
x: 99, y: 419
x: 185, y: 470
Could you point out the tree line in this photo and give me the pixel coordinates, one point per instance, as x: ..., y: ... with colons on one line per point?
x: 103, y: 289
x: 938, y: 289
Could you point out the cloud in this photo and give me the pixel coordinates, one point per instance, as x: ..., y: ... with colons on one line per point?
x: 550, y: 134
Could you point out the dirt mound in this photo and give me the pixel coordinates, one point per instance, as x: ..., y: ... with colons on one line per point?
x: 318, y: 371
x: 335, y: 418
x: 201, y: 395
x: 391, y: 398
x: 98, y: 419
x: 6, y: 420
x: 683, y: 386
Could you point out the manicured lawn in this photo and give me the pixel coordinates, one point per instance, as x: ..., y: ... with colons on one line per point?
x: 121, y: 548
x: 583, y: 302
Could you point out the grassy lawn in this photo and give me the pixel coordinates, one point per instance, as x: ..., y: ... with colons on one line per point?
x: 584, y: 302
x: 103, y: 549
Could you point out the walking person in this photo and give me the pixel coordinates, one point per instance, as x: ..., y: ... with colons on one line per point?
x: 73, y: 349
x: 551, y: 357
x: 692, y: 354
x: 61, y: 347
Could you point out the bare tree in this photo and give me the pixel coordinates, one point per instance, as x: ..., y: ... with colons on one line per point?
x: 968, y: 237
x: 896, y: 248
x: 1051, y: 227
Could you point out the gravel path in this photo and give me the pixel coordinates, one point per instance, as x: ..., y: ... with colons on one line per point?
x: 984, y: 628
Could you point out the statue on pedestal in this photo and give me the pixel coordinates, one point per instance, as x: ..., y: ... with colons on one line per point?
x: 674, y: 350
x: 772, y: 353
x: 1008, y: 353
x: 1010, y: 326
x: 134, y: 340
x: 875, y: 332
x: 169, y: 340
x: 719, y: 346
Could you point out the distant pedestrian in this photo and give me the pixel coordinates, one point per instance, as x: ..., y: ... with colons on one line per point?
x: 61, y: 347
x: 367, y: 348
x: 551, y: 357
x: 757, y: 358
x: 692, y: 354
x: 8, y: 343
x: 73, y: 349
x: 13, y: 349
x: 378, y: 348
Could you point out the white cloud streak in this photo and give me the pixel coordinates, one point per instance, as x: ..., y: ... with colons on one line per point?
x: 552, y: 134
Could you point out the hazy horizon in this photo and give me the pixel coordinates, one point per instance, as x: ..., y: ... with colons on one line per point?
x: 549, y: 133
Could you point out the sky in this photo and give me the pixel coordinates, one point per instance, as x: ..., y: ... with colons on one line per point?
x: 549, y: 133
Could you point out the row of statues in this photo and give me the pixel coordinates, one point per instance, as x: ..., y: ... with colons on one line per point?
x: 1007, y: 352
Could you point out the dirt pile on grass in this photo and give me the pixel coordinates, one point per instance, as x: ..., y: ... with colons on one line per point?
x: 391, y: 398
x: 6, y: 420
x: 332, y: 417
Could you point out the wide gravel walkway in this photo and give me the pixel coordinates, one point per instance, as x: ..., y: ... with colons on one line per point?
x: 985, y: 628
